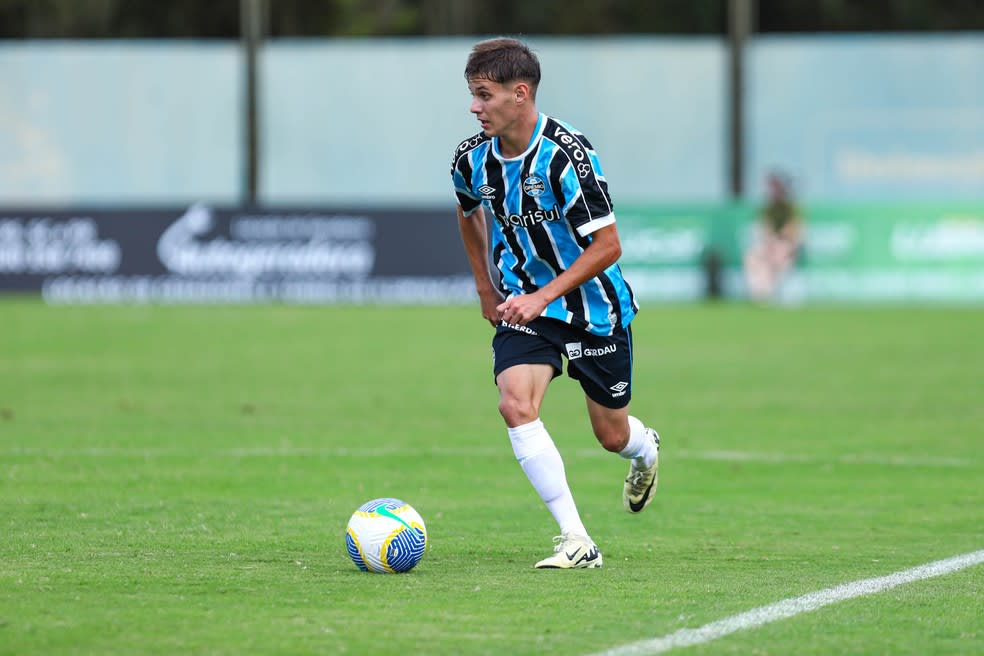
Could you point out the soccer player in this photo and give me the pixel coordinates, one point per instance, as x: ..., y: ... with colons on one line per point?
x: 560, y: 291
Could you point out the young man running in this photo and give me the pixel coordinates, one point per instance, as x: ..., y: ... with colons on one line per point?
x: 560, y: 291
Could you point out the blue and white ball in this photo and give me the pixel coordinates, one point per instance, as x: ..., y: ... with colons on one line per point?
x: 386, y: 536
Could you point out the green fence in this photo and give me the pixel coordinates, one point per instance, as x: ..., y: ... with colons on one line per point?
x: 853, y: 252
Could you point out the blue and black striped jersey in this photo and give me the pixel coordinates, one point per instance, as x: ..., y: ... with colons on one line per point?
x: 545, y: 203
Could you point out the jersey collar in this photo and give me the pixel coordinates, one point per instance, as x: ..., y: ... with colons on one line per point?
x: 537, y: 131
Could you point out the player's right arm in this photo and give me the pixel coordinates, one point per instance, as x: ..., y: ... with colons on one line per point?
x: 471, y: 224
x: 476, y: 241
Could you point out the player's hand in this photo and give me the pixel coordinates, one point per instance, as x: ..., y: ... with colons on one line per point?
x: 489, y: 302
x: 522, y: 309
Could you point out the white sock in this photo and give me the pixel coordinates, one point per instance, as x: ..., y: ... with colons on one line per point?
x: 640, y: 449
x: 540, y: 459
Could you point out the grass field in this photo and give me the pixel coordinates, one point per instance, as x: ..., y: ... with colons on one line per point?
x: 177, y: 480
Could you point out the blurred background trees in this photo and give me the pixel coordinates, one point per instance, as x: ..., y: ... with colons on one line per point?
x: 355, y: 18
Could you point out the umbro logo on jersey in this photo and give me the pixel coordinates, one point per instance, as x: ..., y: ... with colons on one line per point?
x: 488, y: 193
x: 534, y: 186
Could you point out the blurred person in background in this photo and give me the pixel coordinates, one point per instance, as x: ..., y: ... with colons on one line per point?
x: 776, y: 243
x: 560, y: 293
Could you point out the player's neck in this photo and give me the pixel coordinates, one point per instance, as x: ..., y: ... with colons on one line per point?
x: 514, y: 142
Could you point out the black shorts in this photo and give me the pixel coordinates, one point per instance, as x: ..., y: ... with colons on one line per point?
x: 602, y: 364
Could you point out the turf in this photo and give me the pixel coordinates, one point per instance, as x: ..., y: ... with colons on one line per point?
x: 178, y: 480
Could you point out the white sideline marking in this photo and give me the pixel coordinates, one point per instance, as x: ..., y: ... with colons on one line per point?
x: 490, y: 452
x: 794, y: 606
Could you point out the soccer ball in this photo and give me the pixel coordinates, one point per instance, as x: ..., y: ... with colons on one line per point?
x: 386, y: 536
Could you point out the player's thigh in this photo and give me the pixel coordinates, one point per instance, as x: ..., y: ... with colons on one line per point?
x: 521, y: 391
x: 525, y: 361
x: 525, y: 381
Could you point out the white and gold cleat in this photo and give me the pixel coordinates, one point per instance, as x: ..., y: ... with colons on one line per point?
x: 572, y: 552
x: 641, y: 483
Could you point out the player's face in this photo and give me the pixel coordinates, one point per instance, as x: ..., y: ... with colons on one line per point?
x: 494, y: 105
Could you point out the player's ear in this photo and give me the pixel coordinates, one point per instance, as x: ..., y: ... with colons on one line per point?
x: 521, y: 92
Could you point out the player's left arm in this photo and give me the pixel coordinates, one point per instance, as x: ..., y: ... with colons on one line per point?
x: 603, y: 251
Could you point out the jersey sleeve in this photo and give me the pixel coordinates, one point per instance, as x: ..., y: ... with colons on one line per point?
x: 584, y: 190
x: 461, y: 176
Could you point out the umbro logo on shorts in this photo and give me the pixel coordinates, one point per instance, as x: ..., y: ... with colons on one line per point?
x: 618, y: 389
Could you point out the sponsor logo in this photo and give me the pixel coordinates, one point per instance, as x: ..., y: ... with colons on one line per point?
x: 529, y: 219
x: 574, y: 351
x: 664, y: 244
x: 949, y: 239
x: 45, y: 245
x: 470, y: 143
x: 516, y: 326
x: 534, y: 186
x: 636, y: 506
x: 463, y: 146
x: 574, y: 149
x: 386, y: 512
x: 487, y: 192
x: 831, y: 240
x: 619, y: 388
x: 186, y: 248
x: 586, y: 557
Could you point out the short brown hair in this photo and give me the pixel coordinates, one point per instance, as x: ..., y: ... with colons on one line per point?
x: 503, y: 60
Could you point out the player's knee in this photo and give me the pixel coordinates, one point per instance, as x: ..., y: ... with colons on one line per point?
x: 612, y: 437
x: 517, y: 411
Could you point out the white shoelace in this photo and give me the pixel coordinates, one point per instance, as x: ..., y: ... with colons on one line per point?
x: 561, y: 540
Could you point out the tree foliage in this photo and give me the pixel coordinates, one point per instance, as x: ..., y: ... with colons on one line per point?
x: 353, y: 18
